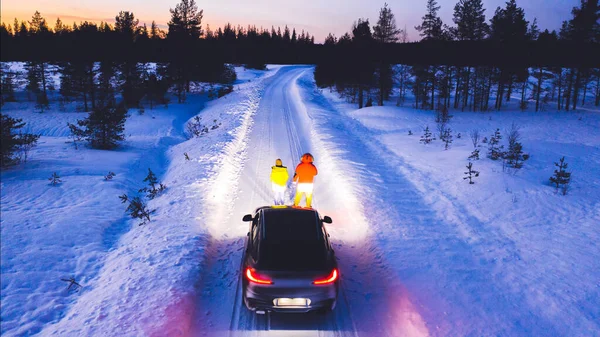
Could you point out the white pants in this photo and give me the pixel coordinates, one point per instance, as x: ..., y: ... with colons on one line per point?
x: 279, y: 192
x: 305, y: 188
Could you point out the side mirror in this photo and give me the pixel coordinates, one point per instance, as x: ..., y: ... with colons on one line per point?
x: 247, y: 218
x: 327, y: 219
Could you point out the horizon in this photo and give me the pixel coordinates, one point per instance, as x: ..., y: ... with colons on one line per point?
x: 319, y: 22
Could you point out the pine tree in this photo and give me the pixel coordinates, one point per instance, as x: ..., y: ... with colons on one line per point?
x: 37, y: 82
x: 561, y: 177
x: 447, y: 138
x: 12, y: 140
x: 8, y: 78
x: 55, y: 179
x: 509, y: 24
x: 155, y: 188
x: 426, y: 138
x: 361, y: 70
x: 385, y: 32
x: 474, y: 155
x: 495, y: 149
x: 105, y: 89
x: 105, y: 126
x: 471, y: 174
x: 470, y: 22
x: 431, y: 27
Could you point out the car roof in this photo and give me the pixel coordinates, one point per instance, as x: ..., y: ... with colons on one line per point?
x: 291, y: 238
x: 291, y: 225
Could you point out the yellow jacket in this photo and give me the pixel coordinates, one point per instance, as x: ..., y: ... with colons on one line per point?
x: 279, y: 175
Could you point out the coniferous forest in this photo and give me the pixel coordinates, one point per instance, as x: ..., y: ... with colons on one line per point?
x: 475, y: 62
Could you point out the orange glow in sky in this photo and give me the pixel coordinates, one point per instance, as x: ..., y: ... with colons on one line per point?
x: 316, y: 16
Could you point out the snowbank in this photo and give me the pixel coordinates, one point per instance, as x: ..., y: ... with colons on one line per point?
x: 136, y: 280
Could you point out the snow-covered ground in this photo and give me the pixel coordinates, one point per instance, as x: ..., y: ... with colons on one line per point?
x: 421, y: 252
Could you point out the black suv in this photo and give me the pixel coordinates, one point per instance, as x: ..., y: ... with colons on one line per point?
x: 288, y: 265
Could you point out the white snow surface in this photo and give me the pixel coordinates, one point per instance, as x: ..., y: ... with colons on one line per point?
x: 421, y: 252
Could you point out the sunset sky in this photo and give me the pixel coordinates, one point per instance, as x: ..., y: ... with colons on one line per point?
x: 319, y: 17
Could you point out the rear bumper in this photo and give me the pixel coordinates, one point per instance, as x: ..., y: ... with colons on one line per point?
x: 261, y: 298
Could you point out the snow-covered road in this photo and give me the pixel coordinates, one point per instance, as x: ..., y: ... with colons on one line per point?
x: 371, y: 301
x: 421, y: 253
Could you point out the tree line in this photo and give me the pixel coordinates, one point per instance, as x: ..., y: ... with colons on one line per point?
x: 473, y: 65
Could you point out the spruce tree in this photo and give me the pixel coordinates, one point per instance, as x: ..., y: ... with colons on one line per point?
x: 495, y: 149
x: 561, y: 177
x: 385, y: 32
x: 426, y: 138
x: 105, y: 126
x: 7, y: 83
x: 470, y: 174
x: 431, y: 27
x: 12, y: 140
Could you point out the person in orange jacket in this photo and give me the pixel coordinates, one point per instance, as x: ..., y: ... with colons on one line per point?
x: 304, y: 178
x: 279, y: 179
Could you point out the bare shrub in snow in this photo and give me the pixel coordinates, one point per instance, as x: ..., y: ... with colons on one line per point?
x: 470, y: 174
x: 155, y: 188
x: 441, y: 128
x: 474, y: 137
x: 54, y: 179
x: 215, y: 125
x: 109, y: 176
x: 426, y: 137
x: 195, y: 128
x: 561, y: 178
x: 494, y: 148
x: 447, y: 138
x: 72, y: 283
x: 474, y: 155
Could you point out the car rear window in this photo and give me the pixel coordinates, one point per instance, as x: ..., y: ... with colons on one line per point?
x: 293, y: 241
x: 291, y: 225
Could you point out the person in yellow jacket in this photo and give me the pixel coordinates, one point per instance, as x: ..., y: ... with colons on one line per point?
x: 279, y: 179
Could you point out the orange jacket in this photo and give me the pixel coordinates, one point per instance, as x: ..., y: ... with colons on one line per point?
x: 305, y: 173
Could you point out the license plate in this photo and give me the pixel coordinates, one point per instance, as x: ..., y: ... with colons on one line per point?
x: 291, y: 302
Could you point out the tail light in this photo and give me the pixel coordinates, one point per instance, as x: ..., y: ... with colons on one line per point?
x: 252, y: 276
x: 329, y: 279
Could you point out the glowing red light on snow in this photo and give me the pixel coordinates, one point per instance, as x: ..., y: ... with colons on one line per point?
x: 329, y: 279
x: 253, y: 277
